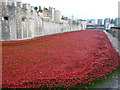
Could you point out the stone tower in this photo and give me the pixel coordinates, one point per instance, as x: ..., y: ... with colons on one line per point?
x: 11, y: 0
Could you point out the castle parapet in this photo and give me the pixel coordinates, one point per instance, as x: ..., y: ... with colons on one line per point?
x: 8, y: 3
x: 25, y: 6
x: 4, y: 3
x: 19, y: 4
x: 0, y: 2
x: 11, y: 3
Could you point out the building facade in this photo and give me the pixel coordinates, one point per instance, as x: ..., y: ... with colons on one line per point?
x: 21, y: 21
x: 91, y: 22
x: 117, y: 22
x: 57, y: 16
x: 106, y: 21
x: 100, y: 22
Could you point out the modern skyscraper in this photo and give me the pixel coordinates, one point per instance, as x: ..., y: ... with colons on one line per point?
x: 117, y: 22
x: 106, y: 21
x: 100, y: 22
x: 91, y: 22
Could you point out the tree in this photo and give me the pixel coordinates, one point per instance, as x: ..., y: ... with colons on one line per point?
x: 36, y: 8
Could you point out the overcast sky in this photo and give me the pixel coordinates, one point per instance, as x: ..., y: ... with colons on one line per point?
x: 81, y: 9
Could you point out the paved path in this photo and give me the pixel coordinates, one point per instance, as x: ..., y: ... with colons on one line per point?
x: 114, y: 42
x: 114, y: 83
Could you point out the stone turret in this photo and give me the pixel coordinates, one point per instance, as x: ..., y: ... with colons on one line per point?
x: 0, y: 20
x: 12, y: 0
x: 21, y: 21
x: 0, y: 2
x: 25, y: 6
x: 19, y: 4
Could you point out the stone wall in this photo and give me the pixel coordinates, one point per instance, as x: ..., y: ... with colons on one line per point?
x: 0, y: 21
x: 21, y: 21
x: 115, y: 32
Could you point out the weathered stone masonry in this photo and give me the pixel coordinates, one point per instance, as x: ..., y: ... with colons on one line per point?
x: 21, y: 21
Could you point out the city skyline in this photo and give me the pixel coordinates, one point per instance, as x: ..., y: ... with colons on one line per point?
x: 82, y: 9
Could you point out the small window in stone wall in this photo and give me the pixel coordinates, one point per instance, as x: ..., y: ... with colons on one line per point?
x: 5, y: 18
x: 31, y: 11
x: 24, y: 19
x: 30, y: 19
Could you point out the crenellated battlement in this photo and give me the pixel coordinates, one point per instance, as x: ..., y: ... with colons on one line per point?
x: 20, y: 21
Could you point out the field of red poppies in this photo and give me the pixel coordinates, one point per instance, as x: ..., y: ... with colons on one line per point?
x: 57, y: 60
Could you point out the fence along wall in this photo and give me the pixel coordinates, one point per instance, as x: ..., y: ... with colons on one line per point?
x: 21, y: 21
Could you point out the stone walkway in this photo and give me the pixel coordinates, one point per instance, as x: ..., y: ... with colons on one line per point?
x: 114, y: 42
x: 114, y: 83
